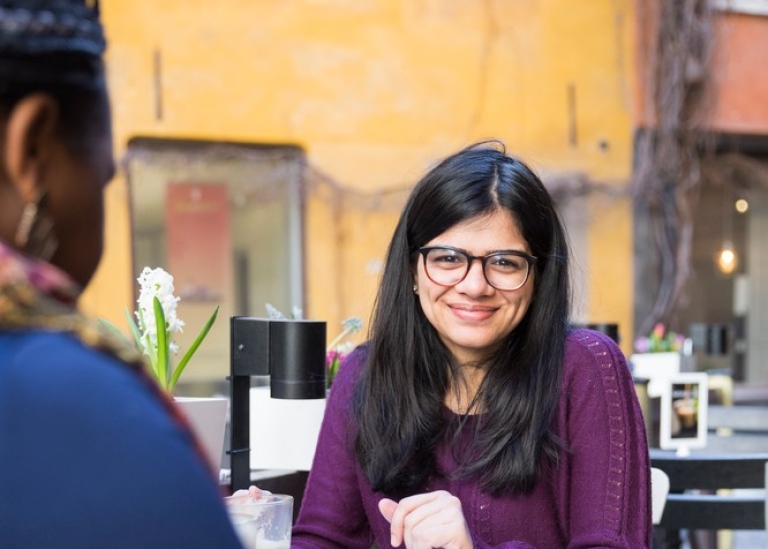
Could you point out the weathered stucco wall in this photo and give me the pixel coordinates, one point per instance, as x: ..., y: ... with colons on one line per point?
x: 374, y: 91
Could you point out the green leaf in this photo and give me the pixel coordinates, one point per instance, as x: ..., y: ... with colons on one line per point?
x: 152, y: 365
x: 113, y: 329
x: 152, y: 361
x: 134, y: 329
x: 333, y: 369
x: 162, y: 344
x: 191, y: 351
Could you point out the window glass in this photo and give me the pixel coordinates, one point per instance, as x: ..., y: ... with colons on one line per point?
x: 225, y: 221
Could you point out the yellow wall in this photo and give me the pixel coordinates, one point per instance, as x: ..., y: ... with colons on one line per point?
x: 374, y: 91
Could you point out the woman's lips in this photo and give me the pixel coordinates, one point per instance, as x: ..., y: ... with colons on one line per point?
x: 472, y: 312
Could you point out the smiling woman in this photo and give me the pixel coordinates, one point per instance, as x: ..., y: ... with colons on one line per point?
x: 472, y: 315
x: 475, y: 417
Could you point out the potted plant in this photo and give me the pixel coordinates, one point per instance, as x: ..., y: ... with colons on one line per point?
x: 152, y: 329
x: 657, y: 357
x: 338, y: 348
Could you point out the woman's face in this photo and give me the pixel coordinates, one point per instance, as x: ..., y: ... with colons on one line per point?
x: 75, y: 201
x: 472, y: 317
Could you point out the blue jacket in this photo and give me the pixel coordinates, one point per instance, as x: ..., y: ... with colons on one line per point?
x: 90, y: 459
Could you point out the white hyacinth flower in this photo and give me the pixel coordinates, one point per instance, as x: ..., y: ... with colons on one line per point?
x: 157, y: 288
x: 157, y: 283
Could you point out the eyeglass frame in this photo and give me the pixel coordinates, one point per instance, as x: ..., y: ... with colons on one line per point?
x: 530, y: 259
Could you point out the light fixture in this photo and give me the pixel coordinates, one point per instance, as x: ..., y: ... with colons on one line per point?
x: 726, y: 258
x: 741, y: 205
x: 292, y: 354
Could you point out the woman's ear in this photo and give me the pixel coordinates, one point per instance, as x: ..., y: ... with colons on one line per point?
x: 30, y: 138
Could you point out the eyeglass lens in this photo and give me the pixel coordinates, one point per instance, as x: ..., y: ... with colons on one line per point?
x: 503, y: 271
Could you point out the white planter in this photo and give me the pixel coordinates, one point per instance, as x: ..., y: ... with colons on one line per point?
x: 657, y: 368
x: 208, y: 418
x: 283, y: 433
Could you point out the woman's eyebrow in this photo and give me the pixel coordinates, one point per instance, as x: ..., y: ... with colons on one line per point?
x: 488, y: 252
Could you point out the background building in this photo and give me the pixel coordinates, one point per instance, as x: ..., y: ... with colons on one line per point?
x: 701, y: 179
x: 268, y: 147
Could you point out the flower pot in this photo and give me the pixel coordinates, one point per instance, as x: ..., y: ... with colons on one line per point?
x: 283, y: 432
x: 657, y: 368
x: 207, y: 417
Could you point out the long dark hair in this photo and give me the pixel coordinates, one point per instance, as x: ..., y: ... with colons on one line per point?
x: 399, y: 400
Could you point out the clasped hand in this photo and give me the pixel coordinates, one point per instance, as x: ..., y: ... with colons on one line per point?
x: 424, y: 521
x: 427, y: 521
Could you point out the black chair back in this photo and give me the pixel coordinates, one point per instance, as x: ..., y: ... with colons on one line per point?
x: 693, y: 501
x: 737, y: 429
x: 738, y: 419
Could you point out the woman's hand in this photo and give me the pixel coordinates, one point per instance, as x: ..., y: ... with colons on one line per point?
x: 427, y: 521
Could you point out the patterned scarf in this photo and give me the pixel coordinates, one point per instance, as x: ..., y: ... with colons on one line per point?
x: 35, y: 295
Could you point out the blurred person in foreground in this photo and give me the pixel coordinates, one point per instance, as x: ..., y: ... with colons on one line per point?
x: 92, y: 454
x: 475, y: 416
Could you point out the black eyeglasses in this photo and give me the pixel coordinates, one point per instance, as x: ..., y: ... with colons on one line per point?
x: 507, y: 270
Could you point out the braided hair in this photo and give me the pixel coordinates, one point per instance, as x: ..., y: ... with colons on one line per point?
x: 54, y: 47
x: 50, y: 42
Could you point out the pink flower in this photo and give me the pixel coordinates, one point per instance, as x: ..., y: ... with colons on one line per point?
x: 333, y: 360
x: 660, y: 341
x: 642, y: 345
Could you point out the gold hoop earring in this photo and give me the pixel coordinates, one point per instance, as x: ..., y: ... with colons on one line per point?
x: 35, y: 233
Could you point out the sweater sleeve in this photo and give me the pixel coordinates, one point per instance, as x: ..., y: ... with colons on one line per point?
x: 332, y: 513
x: 605, y: 490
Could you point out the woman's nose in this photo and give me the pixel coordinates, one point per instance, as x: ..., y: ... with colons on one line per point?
x: 475, y: 283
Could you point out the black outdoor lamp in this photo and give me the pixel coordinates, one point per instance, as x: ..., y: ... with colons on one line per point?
x: 291, y: 353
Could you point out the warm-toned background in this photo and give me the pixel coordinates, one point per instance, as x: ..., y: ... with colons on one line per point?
x: 371, y: 92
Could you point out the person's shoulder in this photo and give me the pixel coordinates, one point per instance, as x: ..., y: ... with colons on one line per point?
x: 57, y: 383
x: 21, y: 345
x: 48, y: 356
x: 346, y: 381
x: 351, y: 368
x: 589, y: 339
x: 85, y: 422
x: 43, y: 369
x: 594, y: 352
x: 595, y: 371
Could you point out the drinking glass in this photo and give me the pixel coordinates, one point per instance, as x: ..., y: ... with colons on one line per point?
x: 262, y: 522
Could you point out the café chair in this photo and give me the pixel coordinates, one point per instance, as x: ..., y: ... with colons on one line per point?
x: 720, y: 385
x: 659, y: 492
x: 751, y: 420
x: 742, y: 429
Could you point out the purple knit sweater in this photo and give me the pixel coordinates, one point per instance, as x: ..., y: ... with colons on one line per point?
x: 598, y: 496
